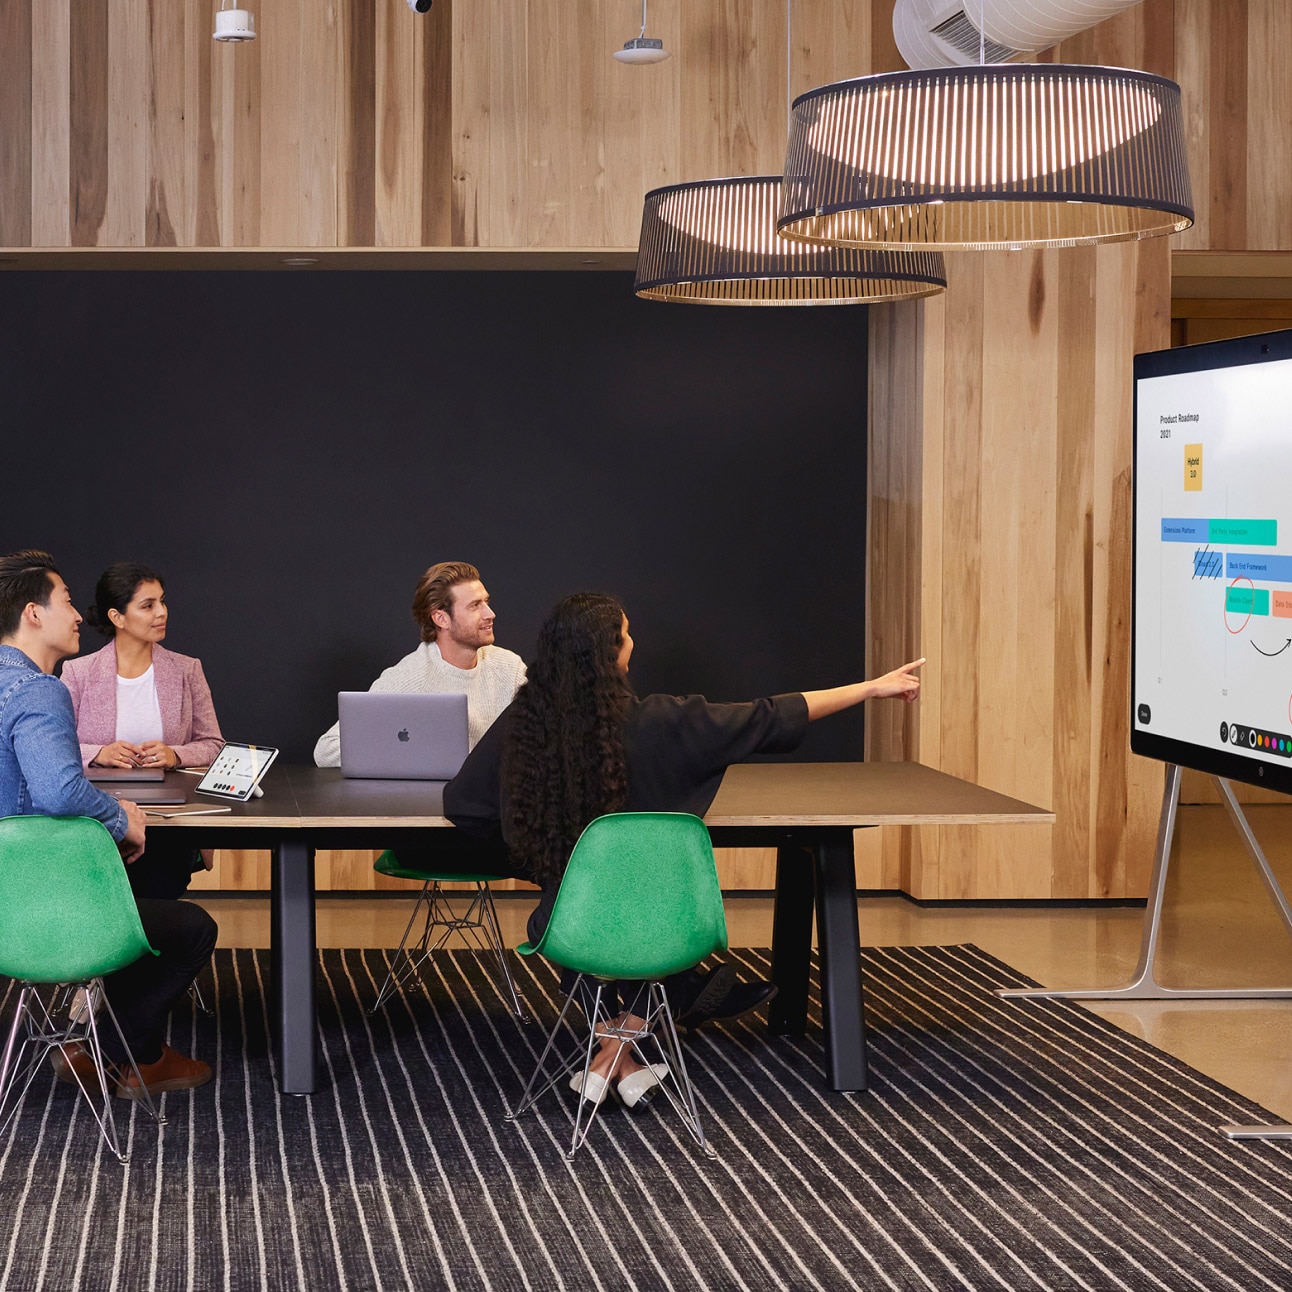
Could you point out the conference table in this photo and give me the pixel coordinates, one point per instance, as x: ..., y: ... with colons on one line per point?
x: 806, y: 811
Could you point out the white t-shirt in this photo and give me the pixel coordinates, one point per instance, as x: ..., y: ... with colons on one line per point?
x: 138, y: 713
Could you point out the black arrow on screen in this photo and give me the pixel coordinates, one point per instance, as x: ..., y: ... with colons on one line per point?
x: 1271, y: 653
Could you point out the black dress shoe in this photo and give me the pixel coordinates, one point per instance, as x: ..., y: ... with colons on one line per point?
x: 704, y: 993
x: 741, y: 999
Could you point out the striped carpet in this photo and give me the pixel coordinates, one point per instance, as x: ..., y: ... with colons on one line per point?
x: 1002, y: 1145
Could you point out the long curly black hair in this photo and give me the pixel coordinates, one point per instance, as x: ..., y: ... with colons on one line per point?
x: 563, y: 762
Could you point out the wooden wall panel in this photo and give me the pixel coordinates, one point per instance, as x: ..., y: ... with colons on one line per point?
x: 1023, y: 570
x: 400, y: 88
x: 641, y: 124
x: 51, y: 125
x: 357, y: 124
x: 15, y: 122
x: 1226, y: 193
x: 165, y: 199
x: 567, y: 75
x: 88, y: 117
x: 491, y: 123
x: 350, y: 870
x: 129, y: 119
x: 733, y: 89
x: 507, y: 124
x: 1269, y: 124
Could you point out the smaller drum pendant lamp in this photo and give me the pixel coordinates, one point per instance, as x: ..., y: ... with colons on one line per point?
x: 714, y: 242
x: 987, y: 157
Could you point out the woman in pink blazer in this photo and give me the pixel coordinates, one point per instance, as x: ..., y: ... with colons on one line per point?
x: 138, y: 704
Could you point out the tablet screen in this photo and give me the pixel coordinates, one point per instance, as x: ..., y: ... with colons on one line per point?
x: 236, y: 771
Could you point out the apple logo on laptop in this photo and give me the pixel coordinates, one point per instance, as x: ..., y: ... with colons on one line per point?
x: 403, y: 736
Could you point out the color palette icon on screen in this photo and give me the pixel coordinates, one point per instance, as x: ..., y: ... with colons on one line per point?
x: 1262, y: 742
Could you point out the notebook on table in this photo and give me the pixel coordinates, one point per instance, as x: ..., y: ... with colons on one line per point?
x: 396, y: 736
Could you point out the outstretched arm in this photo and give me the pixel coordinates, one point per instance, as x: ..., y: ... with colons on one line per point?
x: 901, y: 682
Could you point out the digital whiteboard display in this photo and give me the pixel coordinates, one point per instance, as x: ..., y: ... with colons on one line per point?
x: 1211, y: 676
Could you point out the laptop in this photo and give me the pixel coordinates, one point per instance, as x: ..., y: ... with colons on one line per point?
x: 105, y: 775
x: 397, y: 736
x: 143, y: 793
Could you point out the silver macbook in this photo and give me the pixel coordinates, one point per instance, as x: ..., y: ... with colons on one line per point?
x: 395, y: 736
x: 149, y: 793
x: 103, y: 775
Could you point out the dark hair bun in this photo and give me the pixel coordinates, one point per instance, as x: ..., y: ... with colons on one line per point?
x: 99, y: 621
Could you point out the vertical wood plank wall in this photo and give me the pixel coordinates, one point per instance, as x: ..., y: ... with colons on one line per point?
x: 1000, y: 413
x: 506, y: 123
x: 493, y: 123
x: 1000, y: 548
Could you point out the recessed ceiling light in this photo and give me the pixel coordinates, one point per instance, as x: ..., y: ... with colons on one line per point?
x: 589, y: 262
x: 297, y: 262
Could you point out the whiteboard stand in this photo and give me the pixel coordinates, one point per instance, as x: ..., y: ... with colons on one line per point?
x: 1143, y: 985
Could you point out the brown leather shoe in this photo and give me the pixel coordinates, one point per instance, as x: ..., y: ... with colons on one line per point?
x: 173, y: 1071
x: 74, y: 1060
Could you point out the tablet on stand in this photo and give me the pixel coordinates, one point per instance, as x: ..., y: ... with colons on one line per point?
x: 236, y: 771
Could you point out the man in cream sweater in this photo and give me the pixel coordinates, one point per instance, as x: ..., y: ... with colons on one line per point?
x: 457, y: 654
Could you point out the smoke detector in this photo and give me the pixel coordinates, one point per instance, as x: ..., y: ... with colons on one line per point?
x: 234, y: 24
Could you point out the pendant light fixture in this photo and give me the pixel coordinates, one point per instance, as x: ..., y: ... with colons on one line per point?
x: 642, y: 48
x: 987, y: 157
x: 714, y: 242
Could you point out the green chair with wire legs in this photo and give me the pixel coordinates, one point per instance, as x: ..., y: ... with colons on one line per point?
x: 67, y: 918
x: 476, y: 923
x: 639, y: 901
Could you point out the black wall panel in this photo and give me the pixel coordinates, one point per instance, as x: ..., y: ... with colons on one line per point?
x: 292, y: 450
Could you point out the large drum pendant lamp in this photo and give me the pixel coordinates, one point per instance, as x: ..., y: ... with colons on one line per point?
x: 714, y: 242
x: 989, y: 157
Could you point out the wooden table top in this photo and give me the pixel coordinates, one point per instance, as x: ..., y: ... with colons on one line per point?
x: 752, y: 794
x: 860, y: 794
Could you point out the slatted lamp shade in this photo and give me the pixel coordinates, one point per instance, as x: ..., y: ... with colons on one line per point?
x: 714, y: 242
x: 988, y: 158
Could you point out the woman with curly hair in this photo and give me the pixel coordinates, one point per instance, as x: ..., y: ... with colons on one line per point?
x: 577, y: 742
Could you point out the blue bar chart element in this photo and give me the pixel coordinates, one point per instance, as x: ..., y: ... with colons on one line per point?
x: 1269, y: 569
x: 1208, y: 564
x: 1184, y: 530
x: 1201, y: 529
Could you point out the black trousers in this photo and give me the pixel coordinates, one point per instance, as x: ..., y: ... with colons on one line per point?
x: 143, y: 993
x: 165, y: 867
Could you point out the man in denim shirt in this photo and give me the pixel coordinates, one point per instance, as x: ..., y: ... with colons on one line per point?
x: 41, y: 775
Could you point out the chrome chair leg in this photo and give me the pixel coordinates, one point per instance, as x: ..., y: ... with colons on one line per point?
x: 42, y: 1031
x: 566, y: 1066
x: 477, y: 925
x: 494, y: 933
x: 655, y: 1041
x: 12, y: 1071
x: 199, y: 1001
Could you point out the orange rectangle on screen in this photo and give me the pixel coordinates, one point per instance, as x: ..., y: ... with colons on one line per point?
x: 1281, y: 605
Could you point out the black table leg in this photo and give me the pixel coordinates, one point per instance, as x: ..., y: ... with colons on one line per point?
x: 292, y: 960
x: 791, y: 940
x: 839, y: 943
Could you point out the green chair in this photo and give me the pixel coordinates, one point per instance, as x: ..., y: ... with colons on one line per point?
x: 67, y: 918
x: 477, y: 925
x: 639, y: 901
